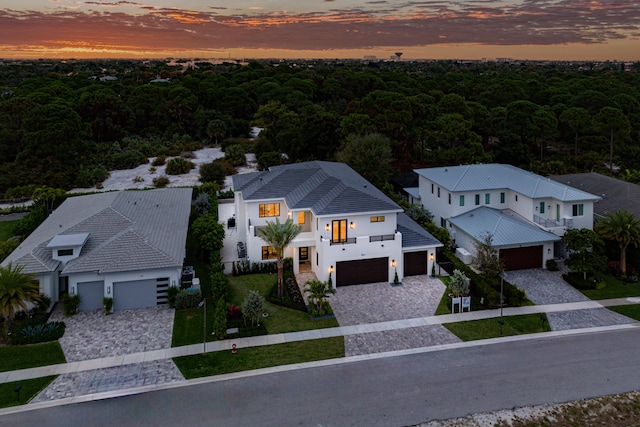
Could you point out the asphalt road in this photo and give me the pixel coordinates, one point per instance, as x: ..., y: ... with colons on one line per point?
x: 393, y: 391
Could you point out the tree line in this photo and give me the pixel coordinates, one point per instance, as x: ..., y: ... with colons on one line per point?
x: 64, y: 125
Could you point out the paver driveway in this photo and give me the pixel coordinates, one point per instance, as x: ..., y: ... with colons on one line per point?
x: 548, y: 287
x: 379, y: 302
x: 91, y: 335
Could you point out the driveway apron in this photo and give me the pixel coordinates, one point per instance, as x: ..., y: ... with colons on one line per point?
x: 418, y: 296
x: 92, y: 334
x: 548, y: 287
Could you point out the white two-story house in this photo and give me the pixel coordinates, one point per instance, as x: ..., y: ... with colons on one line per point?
x: 351, y: 231
x: 526, y: 214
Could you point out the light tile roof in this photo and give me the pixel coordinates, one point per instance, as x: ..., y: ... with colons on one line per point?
x: 66, y: 240
x: 496, y: 176
x: 505, y: 229
x: 616, y: 194
x: 326, y: 188
x: 413, y: 235
x: 128, y: 230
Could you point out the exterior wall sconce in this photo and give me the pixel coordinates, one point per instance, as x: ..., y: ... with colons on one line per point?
x: 393, y: 263
x: 326, y: 227
x: 108, y: 290
x: 549, y: 251
x: 351, y: 226
x: 289, y: 214
x: 331, y: 269
x: 431, y: 256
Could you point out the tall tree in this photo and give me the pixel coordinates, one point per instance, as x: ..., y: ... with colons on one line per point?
x: 279, y: 235
x: 576, y: 119
x: 17, y: 290
x: 585, y: 251
x: 369, y: 155
x: 623, y: 228
x: 614, y: 122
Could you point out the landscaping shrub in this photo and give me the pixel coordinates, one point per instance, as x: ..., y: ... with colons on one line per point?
x: 253, y: 307
x: 43, y: 304
x: 70, y: 304
x: 161, y: 181
x: 107, y: 303
x: 577, y: 281
x: 552, y: 265
x: 291, y: 296
x: 212, y: 172
x: 318, y: 293
x: 240, y: 268
x: 234, y: 312
x: 43, y: 332
x: 234, y: 154
x: 172, y: 292
x: 178, y: 166
x: 219, y: 287
x: 188, y: 298
x: 159, y: 161
x: 220, y: 320
x: 227, y: 194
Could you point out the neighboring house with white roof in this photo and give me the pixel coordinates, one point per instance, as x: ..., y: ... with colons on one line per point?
x: 128, y: 245
x: 350, y: 229
x: 526, y: 214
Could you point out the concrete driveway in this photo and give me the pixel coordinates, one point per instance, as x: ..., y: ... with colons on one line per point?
x: 548, y: 287
x: 380, y: 302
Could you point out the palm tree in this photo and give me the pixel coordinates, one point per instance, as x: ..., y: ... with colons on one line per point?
x: 623, y: 228
x: 318, y: 293
x: 279, y: 235
x: 17, y: 290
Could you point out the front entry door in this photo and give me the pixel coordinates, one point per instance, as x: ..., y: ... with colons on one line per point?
x: 303, y: 254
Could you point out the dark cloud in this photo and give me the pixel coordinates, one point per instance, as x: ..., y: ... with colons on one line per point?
x: 387, y: 24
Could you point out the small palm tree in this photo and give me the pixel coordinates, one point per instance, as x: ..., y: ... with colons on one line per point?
x: 279, y: 235
x: 318, y: 293
x: 17, y: 290
x: 623, y: 228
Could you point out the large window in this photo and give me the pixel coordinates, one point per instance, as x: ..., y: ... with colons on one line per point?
x: 300, y: 217
x: 578, y: 210
x: 269, y: 209
x: 379, y: 218
x: 541, y: 207
x: 487, y: 199
x: 477, y: 199
x: 462, y: 200
x: 501, y: 197
x: 269, y: 253
x: 339, y: 231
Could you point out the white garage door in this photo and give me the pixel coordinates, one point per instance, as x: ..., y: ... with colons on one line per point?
x: 135, y: 294
x: 91, y: 294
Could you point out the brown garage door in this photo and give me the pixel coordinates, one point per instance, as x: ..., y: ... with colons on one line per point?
x: 362, y: 271
x: 415, y: 263
x: 519, y: 258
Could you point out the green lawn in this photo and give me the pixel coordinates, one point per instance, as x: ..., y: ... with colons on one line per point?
x: 444, y: 307
x: 224, y: 362
x: 632, y: 311
x: 490, y: 328
x: 6, y: 229
x: 610, y: 287
x: 15, y: 357
x: 29, y: 388
x: 187, y: 325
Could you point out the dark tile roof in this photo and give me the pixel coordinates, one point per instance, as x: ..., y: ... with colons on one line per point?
x: 327, y: 188
x: 616, y: 194
x: 413, y: 235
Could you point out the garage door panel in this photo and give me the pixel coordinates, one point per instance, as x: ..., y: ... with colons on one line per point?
x: 415, y: 263
x: 362, y: 271
x: 521, y: 258
x: 134, y: 294
x: 91, y: 294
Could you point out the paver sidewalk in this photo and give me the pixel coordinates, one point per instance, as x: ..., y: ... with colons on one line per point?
x: 226, y: 345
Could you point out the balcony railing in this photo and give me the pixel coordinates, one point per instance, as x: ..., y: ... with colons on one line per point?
x: 347, y: 241
x: 382, y: 237
x: 551, y: 223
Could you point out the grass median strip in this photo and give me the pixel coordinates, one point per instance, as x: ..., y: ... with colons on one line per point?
x: 224, y: 362
x: 490, y: 328
x: 28, y: 389
x: 632, y: 311
x: 14, y: 357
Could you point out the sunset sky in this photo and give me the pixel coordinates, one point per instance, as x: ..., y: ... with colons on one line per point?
x: 432, y: 29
